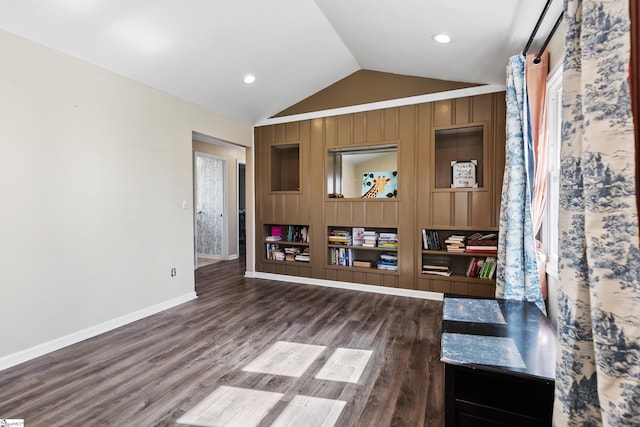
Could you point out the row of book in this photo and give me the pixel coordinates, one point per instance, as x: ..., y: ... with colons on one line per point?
x: 345, y: 257
x: 477, y: 242
x: 481, y: 267
x: 289, y: 233
x: 277, y: 253
x: 431, y: 240
x: 358, y: 236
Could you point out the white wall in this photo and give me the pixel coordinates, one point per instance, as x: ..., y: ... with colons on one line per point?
x: 94, y: 169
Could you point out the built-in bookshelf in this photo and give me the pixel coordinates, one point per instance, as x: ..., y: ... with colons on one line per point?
x: 458, y: 261
x: 287, y: 243
x: 363, y: 248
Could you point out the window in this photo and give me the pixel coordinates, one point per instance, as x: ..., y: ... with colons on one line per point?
x: 554, y: 138
x: 363, y: 172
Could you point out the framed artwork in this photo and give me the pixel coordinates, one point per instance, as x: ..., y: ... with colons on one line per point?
x: 377, y: 185
x: 463, y: 174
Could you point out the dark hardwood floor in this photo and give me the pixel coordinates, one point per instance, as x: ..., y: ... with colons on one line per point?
x: 153, y: 371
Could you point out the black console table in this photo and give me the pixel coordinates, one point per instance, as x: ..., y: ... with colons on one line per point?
x: 499, y: 358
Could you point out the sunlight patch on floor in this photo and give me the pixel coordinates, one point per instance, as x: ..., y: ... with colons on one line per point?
x: 310, y: 411
x: 232, y: 407
x: 345, y: 365
x: 285, y: 358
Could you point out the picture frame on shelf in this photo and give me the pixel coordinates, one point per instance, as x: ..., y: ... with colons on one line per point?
x: 464, y: 174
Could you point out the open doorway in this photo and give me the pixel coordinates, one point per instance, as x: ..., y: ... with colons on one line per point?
x: 210, y: 208
x: 233, y: 240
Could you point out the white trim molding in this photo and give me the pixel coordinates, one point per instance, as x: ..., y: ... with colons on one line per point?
x: 73, y: 338
x: 411, y: 100
x: 436, y: 296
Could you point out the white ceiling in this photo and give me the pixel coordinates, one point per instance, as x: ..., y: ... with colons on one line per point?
x: 200, y: 50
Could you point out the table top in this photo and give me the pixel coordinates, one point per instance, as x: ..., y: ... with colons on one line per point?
x: 498, y: 335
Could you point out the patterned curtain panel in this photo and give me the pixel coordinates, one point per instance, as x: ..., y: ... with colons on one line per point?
x: 598, y: 366
x: 517, y: 275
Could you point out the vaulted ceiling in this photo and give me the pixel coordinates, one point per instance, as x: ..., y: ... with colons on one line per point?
x: 200, y: 50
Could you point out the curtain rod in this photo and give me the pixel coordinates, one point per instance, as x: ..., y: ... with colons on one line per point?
x: 536, y: 60
x: 535, y: 29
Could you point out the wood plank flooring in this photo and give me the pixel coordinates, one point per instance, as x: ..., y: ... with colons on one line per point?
x: 152, y: 372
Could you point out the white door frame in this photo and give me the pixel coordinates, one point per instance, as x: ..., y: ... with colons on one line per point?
x: 225, y: 208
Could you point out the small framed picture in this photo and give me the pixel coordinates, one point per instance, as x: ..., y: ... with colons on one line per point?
x: 463, y: 174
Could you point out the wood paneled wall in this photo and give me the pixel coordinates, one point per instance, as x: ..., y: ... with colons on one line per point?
x: 419, y: 204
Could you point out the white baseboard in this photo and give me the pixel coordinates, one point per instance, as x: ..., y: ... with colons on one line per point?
x: 67, y: 340
x: 233, y: 256
x: 412, y: 293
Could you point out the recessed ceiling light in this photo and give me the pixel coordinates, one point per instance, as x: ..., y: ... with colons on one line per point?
x: 249, y: 78
x: 442, y: 38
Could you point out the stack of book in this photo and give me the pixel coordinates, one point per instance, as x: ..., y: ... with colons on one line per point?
x: 340, y: 237
x: 430, y: 240
x: 455, y: 243
x: 440, y: 270
x: 388, y: 240
x: 388, y: 261
x: 484, y: 268
x: 278, y: 254
x: 358, y: 236
x: 479, y: 243
x: 274, y: 238
x: 305, y: 256
x: 370, y: 238
x: 290, y: 253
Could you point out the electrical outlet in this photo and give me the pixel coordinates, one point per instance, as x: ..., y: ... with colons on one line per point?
x: 173, y: 272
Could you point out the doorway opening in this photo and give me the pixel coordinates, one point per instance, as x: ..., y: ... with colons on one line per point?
x: 210, y: 211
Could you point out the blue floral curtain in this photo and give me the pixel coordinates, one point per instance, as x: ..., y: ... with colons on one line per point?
x: 598, y: 366
x: 517, y: 275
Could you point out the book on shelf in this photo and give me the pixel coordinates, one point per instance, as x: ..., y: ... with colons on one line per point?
x: 370, y: 238
x: 481, y: 267
x: 341, y: 256
x: 340, y: 237
x: 455, y: 243
x: 305, y: 256
x: 482, y: 245
x: 437, y: 269
x: 357, y: 236
x: 437, y: 272
x: 430, y: 240
x: 388, y: 261
x: 276, y: 231
x: 388, y: 240
x: 288, y: 233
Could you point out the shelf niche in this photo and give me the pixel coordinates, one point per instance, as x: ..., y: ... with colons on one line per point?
x: 458, y: 144
x: 285, y: 167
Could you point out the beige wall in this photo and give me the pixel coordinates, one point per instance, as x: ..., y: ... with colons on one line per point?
x: 94, y: 172
x: 556, y: 46
x: 233, y: 156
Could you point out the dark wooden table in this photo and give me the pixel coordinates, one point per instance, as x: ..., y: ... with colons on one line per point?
x: 499, y: 358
